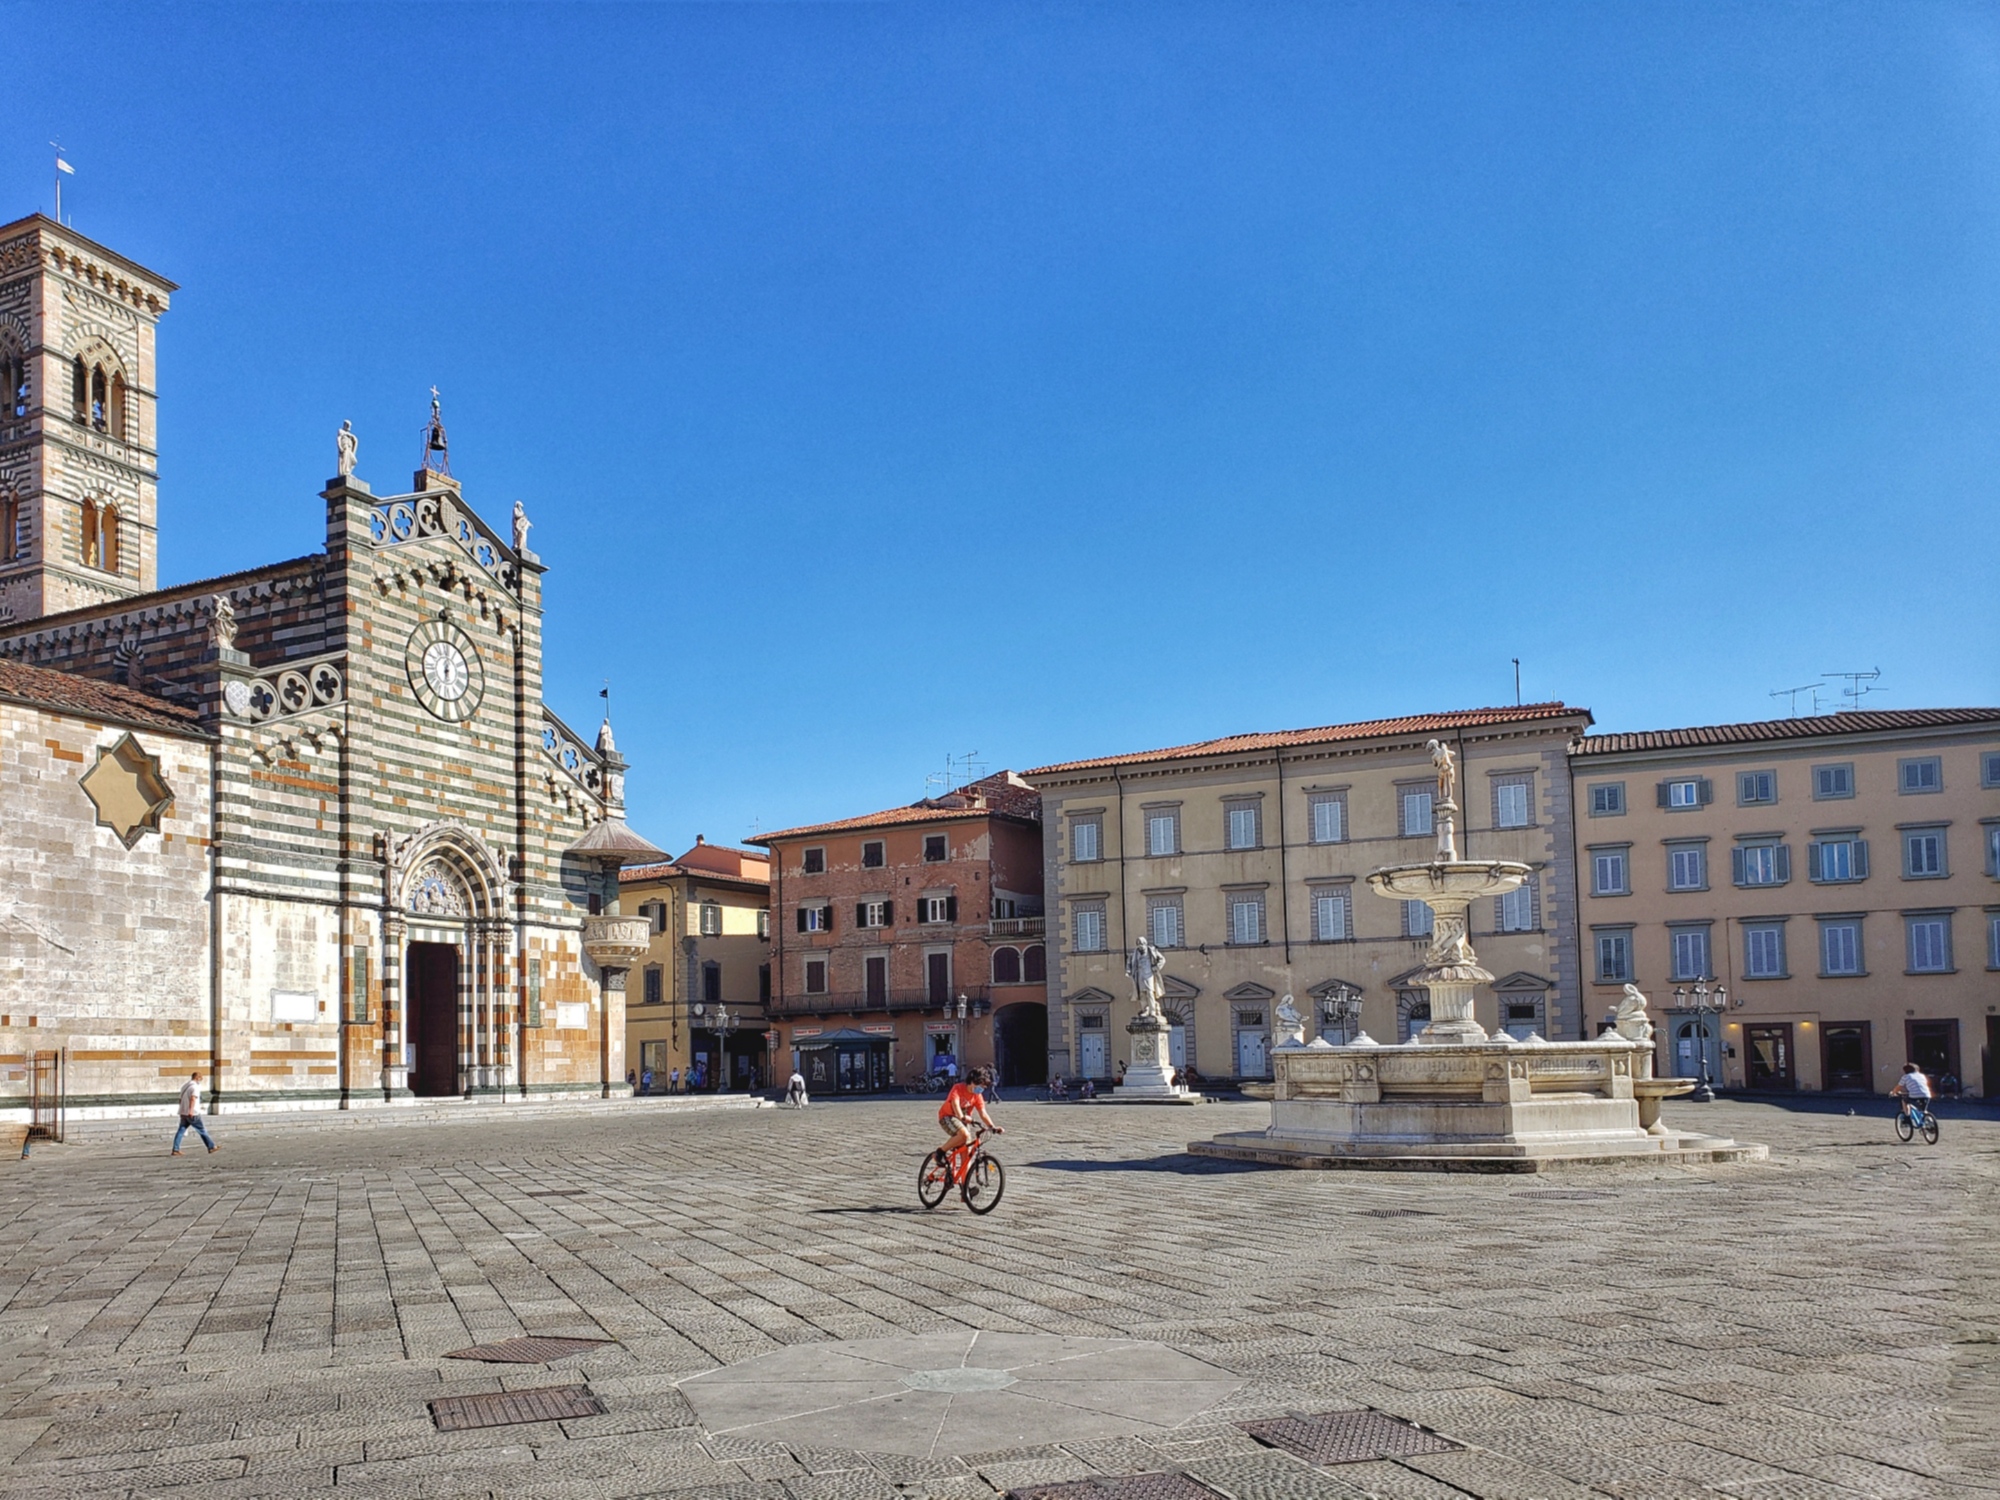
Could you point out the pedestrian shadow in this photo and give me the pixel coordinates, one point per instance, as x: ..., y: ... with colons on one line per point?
x: 1180, y: 1163
x: 879, y: 1208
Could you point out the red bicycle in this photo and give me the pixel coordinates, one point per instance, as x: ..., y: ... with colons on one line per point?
x: 979, y: 1178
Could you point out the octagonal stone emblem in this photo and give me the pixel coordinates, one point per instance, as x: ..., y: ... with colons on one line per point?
x: 126, y: 788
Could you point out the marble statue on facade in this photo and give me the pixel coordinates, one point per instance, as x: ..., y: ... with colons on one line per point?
x: 348, y: 445
x: 1289, y: 1027
x: 521, y: 525
x: 222, y: 623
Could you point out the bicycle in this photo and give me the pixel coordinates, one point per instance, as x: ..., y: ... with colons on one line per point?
x: 930, y: 1083
x: 1913, y: 1115
x: 980, y: 1179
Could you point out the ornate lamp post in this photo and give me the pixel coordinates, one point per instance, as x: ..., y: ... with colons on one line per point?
x: 1341, y: 1008
x: 721, y: 1022
x: 958, y: 1035
x: 1704, y: 1002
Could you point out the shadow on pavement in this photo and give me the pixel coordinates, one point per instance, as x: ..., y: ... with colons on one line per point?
x: 1180, y: 1162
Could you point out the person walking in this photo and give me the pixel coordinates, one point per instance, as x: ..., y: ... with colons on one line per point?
x: 795, y: 1090
x: 673, y: 1080
x: 191, y: 1113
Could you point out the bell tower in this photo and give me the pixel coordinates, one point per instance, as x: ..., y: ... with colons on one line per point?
x: 79, y: 462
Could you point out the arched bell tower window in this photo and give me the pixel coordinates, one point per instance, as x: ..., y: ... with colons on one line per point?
x: 100, y: 397
x: 13, y: 383
x: 79, y: 390
x: 118, y: 406
x: 89, y: 538
x: 108, y: 548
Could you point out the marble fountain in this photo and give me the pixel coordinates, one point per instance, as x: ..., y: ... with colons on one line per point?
x: 1454, y: 1098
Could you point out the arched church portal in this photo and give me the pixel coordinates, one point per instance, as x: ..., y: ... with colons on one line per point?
x: 450, y: 933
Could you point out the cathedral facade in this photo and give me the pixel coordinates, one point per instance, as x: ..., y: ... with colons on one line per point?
x: 308, y: 828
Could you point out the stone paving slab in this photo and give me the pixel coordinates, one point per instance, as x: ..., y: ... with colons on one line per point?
x: 273, y: 1320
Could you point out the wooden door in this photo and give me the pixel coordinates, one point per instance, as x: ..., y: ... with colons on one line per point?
x: 1768, y: 1063
x: 937, y: 973
x: 1847, y: 1062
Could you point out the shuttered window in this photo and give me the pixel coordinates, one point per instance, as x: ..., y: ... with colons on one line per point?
x: 1087, y: 921
x: 1163, y: 921
x: 1764, y: 950
x: 1246, y: 919
x: 1330, y: 915
x: 1760, y: 864
x: 1840, y: 946
x: 1418, y: 919
x: 1416, y: 813
x: 1329, y: 817
x: 1511, y: 802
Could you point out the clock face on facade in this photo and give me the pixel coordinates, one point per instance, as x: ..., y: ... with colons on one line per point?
x: 444, y: 671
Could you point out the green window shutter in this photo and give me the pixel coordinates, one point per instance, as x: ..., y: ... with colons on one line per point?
x: 1663, y: 791
x: 1736, y: 871
x: 1784, y: 864
x: 861, y: 914
x: 826, y: 916
x: 1704, y: 791
x: 802, y: 919
x: 951, y: 908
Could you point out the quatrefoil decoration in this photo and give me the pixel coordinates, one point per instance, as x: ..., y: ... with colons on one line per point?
x: 294, y: 692
x: 548, y: 739
x: 486, y: 555
x: 325, y: 684
x: 570, y: 759
x: 403, y: 522
x: 263, y: 701
x: 378, y: 527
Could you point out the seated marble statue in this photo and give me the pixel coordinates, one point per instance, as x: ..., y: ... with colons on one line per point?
x: 1632, y: 1022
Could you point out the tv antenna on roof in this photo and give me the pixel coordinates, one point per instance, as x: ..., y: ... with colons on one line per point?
x: 1859, y: 685
x: 1792, y: 708
x: 958, y: 771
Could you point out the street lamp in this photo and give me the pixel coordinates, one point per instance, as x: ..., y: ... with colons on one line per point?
x: 958, y: 1035
x: 721, y: 1022
x: 1704, y: 1002
x: 1340, y: 1007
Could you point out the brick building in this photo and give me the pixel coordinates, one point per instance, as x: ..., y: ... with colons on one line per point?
x: 308, y: 826
x: 882, y: 924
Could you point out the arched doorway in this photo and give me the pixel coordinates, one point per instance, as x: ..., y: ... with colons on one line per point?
x: 1021, y: 1037
x: 433, y: 979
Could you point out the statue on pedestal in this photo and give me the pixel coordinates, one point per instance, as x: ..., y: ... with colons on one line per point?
x: 521, y: 525
x: 1148, y: 977
x: 348, y: 445
x: 1290, y: 1027
x: 1447, y: 769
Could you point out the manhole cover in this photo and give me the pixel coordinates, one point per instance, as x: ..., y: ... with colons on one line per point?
x: 958, y: 1380
x: 551, y: 1404
x: 527, y: 1351
x: 1400, y: 1213
x: 1346, y: 1437
x: 1130, y: 1487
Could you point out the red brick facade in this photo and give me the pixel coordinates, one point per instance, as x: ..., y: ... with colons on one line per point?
x: 879, y: 925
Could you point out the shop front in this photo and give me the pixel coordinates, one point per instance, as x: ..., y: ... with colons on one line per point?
x: 850, y: 1060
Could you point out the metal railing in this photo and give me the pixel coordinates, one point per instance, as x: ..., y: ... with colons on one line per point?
x: 1016, y: 926
x: 881, y: 1002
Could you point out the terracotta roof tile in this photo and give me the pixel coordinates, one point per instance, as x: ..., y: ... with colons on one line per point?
x: 1466, y: 718
x: 1763, y: 731
x: 88, y: 698
x: 1003, y: 798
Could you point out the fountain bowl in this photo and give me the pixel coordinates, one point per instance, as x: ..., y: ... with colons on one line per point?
x: 1450, y: 880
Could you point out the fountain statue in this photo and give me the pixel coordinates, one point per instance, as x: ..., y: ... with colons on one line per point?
x: 1454, y: 1098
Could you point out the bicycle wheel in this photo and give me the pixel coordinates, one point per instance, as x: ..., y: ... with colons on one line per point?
x: 984, y: 1184
x: 1904, y: 1130
x: 1930, y: 1129
x: 933, y: 1181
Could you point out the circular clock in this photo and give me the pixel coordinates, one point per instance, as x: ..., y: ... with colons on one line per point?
x: 444, y: 669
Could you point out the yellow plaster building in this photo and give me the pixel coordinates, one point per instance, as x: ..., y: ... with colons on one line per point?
x: 1838, y: 876
x: 710, y: 917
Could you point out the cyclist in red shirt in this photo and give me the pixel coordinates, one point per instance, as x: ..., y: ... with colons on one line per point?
x: 961, y: 1107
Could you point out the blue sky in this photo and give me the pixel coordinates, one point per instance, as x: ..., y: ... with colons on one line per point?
x: 886, y: 382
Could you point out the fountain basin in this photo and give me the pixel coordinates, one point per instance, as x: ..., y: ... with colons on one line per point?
x: 1455, y: 880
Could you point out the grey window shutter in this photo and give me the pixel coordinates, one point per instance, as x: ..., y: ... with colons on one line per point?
x: 1705, y: 791
x: 888, y: 914
x: 826, y: 917
x: 802, y: 919
x: 1662, y: 789
x: 1784, y: 863
x: 861, y: 914
x: 1861, y: 859
x: 1736, y: 866
x: 1812, y: 862
x: 951, y: 908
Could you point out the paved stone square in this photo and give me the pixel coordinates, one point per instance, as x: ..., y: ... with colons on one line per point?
x: 274, y: 1319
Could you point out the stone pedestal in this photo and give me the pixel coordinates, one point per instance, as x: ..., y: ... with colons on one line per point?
x: 1149, y: 1075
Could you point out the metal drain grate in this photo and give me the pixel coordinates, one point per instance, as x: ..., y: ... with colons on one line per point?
x: 1565, y: 1195
x: 551, y: 1404
x: 1346, y: 1437
x: 1126, y: 1487
x: 1400, y: 1213
x: 527, y: 1351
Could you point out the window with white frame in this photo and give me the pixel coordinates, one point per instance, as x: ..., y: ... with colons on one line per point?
x: 1330, y: 913
x: 1086, y: 840
x: 815, y: 919
x: 1754, y: 787
x: 1609, y: 871
x: 1763, y: 862
x: 711, y: 919
x: 1607, y: 799
x: 1929, y: 939
x: 1920, y: 773
x: 1989, y: 768
x: 874, y: 854
x: 871, y: 914
x: 1764, y: 950
x: 1329, y: 817
x: 1163, y: 831
x: 1993, y: 849
x: 1164, y: 924
x: 1614, y: 954
x: 1087, y: 926
x: 937, y: 908
x: 1690, y: 951
x: 1241, y: 818
x: 1418, y: 919
x: 1512, y: 802
x: 1831, y: 783
x: 1836, y: 858
x: 1923, y: 854
x: 1687, y: 867
x: 1684, y: 792
x: 1516, y: 908
x: 1840, y: 946
x: 1246, y: 917
x: 1416, y: 811
x: 764, y: 923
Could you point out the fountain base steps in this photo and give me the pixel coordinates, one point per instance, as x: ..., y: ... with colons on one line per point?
x: 1672, y: 1149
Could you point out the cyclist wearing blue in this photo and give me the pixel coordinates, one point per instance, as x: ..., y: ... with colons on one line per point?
x: 1914, y: 1090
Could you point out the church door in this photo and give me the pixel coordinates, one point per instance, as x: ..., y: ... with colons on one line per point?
x: 433, y: 1026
